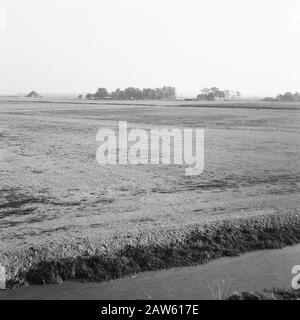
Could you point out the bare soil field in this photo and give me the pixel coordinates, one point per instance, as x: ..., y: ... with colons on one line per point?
x: 56, y: 201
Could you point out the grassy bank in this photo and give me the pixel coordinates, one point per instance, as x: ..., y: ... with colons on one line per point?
x: 159, y: 249
x: 275, y: 294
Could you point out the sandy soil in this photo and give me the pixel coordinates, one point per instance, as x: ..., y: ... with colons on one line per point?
x: 53, y: 191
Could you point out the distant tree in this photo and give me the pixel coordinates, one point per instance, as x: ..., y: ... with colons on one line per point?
x: 148, y: 94
x: 90, y: 96
x: 171, y: 93
x: 118, y: 94
x: 202, y: 97
x: 132, y: 93
x: 215, y: 93
x: 205, y: 91
x: 289, y: 97
x: 214, y: 90
x: 220, y: 94
x: 227, y: 94
x: 211, y: 96
x: 101, y: 93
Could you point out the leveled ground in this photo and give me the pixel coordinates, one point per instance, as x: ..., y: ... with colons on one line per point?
x: 53, y: 194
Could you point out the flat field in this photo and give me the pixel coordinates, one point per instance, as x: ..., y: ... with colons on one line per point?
x: 52, y: 190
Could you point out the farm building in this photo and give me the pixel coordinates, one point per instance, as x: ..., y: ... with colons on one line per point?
x: 33, y: 94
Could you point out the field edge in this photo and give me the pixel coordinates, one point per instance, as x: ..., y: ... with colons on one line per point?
x: 128, y: 254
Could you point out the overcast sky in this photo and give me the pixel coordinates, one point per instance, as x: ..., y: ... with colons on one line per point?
x: 76, y: 46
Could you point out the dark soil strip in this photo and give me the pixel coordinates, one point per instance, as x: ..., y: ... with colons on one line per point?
x: 276, y: 294
x: 233, y: 105
x: 197, y: 245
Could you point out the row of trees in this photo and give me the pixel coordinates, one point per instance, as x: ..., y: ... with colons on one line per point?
x: 215, y: 93
x: 131, y: 93
x: 289, y: 97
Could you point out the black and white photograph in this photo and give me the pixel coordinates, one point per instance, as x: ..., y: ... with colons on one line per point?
x: 149, y: 151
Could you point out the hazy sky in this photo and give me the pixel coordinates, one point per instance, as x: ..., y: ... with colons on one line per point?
x: 78, y: 45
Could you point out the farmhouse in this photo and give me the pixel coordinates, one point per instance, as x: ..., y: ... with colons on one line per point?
x: 33, y: 94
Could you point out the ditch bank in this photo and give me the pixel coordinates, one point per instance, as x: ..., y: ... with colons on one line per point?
x: 128, y: 254
x: 275, y: 294
x: 237, y: 278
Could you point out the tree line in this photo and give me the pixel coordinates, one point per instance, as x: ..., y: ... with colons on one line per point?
x: 214, y: 93
x: 131, y: 93
x: 289, y: 97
